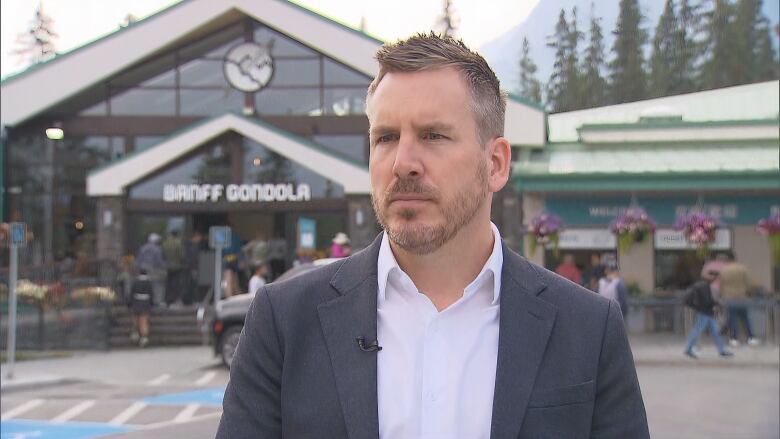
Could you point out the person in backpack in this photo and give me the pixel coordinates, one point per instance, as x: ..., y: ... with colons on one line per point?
x: 141, y: 303
x: 150, y: 259
x: 699, y: 298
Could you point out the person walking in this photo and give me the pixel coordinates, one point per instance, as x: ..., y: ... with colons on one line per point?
x: 173, y: 252
x: 141, y: 303
x: 150, y: 259
x: 699, y: 298
x: 734, y: 285
x: 612, y: 286
x: 340, y: 247
x: 258, y: 277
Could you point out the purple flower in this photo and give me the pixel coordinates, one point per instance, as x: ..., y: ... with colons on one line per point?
x: 769, y: 226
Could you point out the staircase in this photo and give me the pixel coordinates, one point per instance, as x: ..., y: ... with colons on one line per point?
x: 168, y: 327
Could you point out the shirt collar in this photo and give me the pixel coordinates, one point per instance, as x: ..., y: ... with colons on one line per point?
x: 386, y: 264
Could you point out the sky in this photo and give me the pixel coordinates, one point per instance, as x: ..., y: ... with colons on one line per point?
x: 80, y: 21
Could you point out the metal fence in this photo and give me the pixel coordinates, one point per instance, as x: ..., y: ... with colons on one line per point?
x: 62, y: 306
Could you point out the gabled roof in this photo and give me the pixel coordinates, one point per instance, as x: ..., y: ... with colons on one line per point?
x: 115, y: 178
x: 742, y: 102
x: 33, y: 91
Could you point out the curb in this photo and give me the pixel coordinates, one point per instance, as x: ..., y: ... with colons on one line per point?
x: 11, y: 386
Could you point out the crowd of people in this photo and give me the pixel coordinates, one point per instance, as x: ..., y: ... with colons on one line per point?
x: 602, y: 278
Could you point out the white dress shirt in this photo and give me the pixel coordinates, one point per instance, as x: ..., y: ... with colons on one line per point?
x: 436, y: 371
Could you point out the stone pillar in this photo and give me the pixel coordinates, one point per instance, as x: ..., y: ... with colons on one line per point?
x: 110, y: 227
x: 752, y: 249
x: 636, y: 265
x: 533, y: 204
x: 362, y: 226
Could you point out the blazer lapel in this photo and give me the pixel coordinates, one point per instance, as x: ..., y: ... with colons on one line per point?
x: 525, y: 324
x: 350, y: 315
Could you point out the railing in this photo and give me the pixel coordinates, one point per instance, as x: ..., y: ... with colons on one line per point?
x: 669, y: 314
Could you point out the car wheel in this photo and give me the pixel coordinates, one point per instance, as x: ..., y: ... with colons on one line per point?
x: 229, y: 342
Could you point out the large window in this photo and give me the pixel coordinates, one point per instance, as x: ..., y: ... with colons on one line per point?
x: 190, y: 81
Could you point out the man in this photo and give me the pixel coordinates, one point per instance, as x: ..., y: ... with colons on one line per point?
x: 436, y: 330
x: 150, y: 259
x: 173, y: 251
x: 569, y: 270
x: 699, y: 297
x: 734, y: 285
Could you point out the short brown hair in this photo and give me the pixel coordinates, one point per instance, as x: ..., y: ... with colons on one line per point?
x: 428, y: 51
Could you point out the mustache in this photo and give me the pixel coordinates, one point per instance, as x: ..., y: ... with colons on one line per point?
x: 410, y: 187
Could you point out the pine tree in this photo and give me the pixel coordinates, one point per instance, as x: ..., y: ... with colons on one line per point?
x: 556, y: 86
x: 720, y: 68
x: 689, y: 49
x: 662, y: 61
x: 448, y: 21
x: 530, y: 87
x: 747, y: 19
x: 766, y: 62
x: 627, y: 75
x: 574, y: 88
x: 593, y: 67
x: 37, y: 44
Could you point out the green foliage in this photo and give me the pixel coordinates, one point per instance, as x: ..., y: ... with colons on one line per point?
x: 628, y: 82
x: 565, y: 89
x: 529, y: 86
x: 662, y: 61
x: 594, y: 84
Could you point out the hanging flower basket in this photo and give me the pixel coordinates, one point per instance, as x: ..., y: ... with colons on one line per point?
x: 699, y: 229
x: 545, y: 229
x: 770, y: 227
x: 632, y: 226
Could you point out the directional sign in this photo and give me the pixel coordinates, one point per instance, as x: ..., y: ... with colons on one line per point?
x: 19, y: 429
x: 18, y: 234
x: 219, y: 237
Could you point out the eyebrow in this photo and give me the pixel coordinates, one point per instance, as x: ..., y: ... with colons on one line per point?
x: 435, y: 126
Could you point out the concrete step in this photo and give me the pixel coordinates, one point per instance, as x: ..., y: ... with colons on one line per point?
x: 169, y: 327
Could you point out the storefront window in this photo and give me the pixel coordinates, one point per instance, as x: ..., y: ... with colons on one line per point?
x: 210, y: 102
x: 345, y: 101
x: 289, y: 72
x: 676, y: 269
x: 145, y: 142
x: 288, y: 102
x: 282, y: 45
x: 144, y: 102
x: 338, y: 75
x: 202, y: 72
x: 352, y: 146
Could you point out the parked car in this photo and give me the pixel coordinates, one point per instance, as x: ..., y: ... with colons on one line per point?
x: 228, y: 318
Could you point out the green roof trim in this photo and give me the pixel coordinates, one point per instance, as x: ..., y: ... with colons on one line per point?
x: 611, y: 182
x: 96, y: 40
x: 524, y: 100
x: 262, y: 123
x: 652, y: 125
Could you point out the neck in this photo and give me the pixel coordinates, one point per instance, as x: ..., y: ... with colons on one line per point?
x: 443, y: 274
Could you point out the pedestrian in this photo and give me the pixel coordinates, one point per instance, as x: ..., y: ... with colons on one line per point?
x: 734, y: 285
x: 569, y: 270
x: 699, y: 297
x: 437, y: 329
x: 340, y: 247
x: 258, y: 277
x: 612, y: 286
x: 192, y: 249
x: 150, y: 259
x: 594, y: 272
x: 173, y: 253
x: 141, y: 303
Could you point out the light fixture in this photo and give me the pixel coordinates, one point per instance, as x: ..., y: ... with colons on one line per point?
x: 257, y: 161
x: 248, y: 110
x: 79, y: 225
x: 55, y: 132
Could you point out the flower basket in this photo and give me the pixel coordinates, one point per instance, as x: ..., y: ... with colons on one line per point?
x: 699, y: 229
x: 545, y: 229
x: 91, y: 295
x: 32, y: 292
x: 632, y: 226
x: 770, y: 227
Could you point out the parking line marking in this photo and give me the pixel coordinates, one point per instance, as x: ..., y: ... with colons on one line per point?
x: 186, y: 414
x: 24, y: 408
x: 161, y: 424
x: 160, y: 379
x: 74, y: 411
x: 208, y: 376
x: 128, y: 413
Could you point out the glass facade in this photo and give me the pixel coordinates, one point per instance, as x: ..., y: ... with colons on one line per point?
x: 147, y: 102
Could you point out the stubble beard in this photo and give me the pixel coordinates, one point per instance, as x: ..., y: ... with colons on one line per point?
x: 423, y: 239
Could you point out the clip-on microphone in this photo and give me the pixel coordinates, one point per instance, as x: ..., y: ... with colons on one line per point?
x: 370, y: 347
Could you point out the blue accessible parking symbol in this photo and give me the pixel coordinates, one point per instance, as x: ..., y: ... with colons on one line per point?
x: 207, y: 397
x: 19, y: 429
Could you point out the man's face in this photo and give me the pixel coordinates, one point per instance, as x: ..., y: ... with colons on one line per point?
x: 429, y: 174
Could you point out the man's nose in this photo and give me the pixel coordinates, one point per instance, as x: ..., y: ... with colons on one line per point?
x: 408, y: 162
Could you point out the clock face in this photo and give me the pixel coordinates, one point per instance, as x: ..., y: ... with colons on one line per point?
x: 249, y: 67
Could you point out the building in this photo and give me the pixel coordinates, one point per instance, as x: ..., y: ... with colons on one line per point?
x: 716, y: 151
x: 248, y: 113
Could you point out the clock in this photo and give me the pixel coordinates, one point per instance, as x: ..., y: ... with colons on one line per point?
x: 249, y: 66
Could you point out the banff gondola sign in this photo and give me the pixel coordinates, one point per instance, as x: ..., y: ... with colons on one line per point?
x: 235, y: 193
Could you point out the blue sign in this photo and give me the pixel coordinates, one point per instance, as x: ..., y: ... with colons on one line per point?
x: 18, y: 234
x: 207, y: 397
x: 20, y: 429
x: 219, y: 237
x: 307, y: 233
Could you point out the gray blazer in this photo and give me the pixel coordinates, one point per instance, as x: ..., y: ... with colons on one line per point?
x: 565, y: 369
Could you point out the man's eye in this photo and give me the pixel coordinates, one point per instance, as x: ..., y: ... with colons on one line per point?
x: 386, y: 138
x: 433, y: 136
